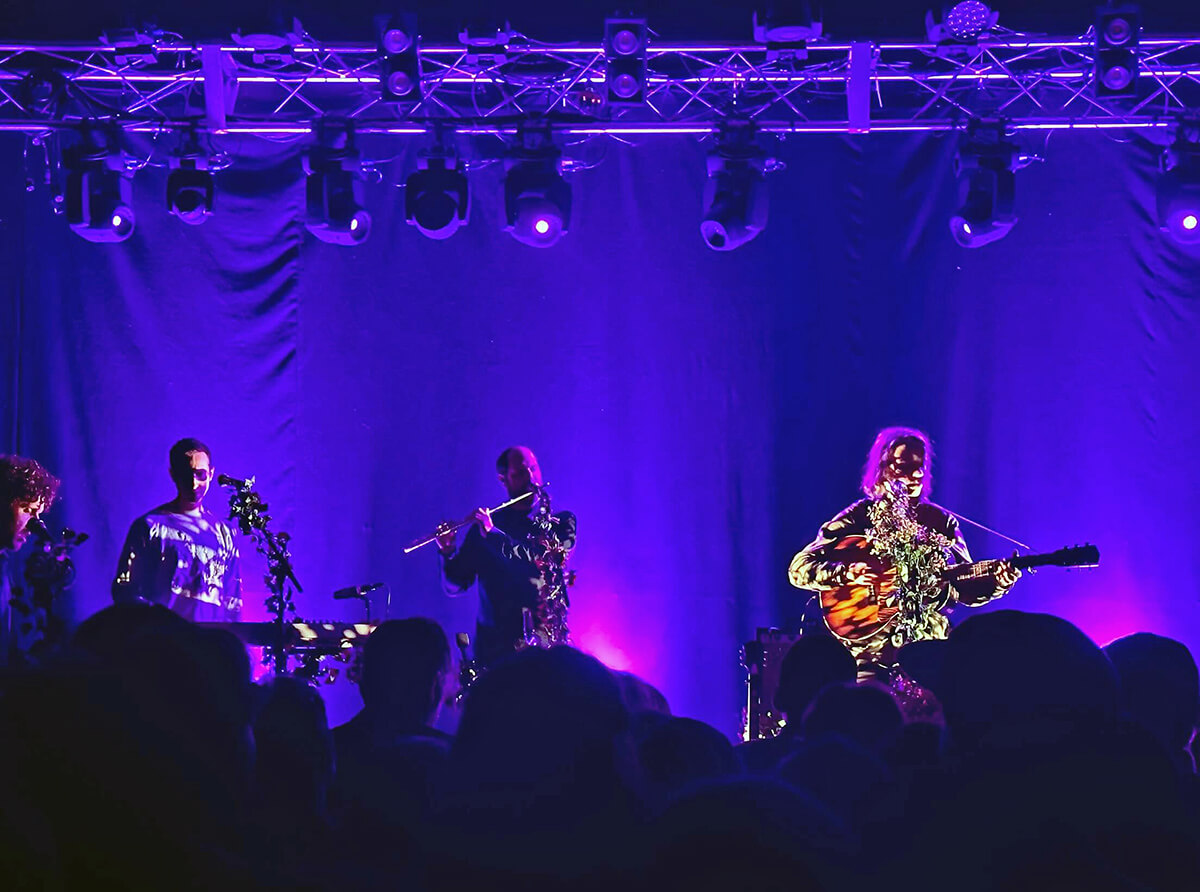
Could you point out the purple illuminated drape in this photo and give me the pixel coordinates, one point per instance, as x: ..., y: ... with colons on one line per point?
x: 702, y: 413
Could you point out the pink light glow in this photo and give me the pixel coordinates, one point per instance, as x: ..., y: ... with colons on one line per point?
x: 598, y: 644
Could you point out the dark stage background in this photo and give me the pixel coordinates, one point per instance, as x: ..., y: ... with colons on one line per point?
x: 702, y: 413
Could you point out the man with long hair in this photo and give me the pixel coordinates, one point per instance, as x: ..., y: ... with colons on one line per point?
x: 898, y: 543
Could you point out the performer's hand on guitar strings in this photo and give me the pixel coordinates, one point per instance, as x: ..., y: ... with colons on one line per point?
x: 1006, y: 574
x: 859, y: 573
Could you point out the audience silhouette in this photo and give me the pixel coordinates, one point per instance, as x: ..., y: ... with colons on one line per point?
x: 144, y: 758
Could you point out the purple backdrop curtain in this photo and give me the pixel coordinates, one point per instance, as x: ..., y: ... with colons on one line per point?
x: 701, y: 412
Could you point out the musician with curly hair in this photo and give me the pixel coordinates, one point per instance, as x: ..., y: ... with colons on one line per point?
x: 881, y: 562
x: 26, y: 490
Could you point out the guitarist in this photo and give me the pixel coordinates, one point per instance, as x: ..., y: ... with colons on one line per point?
x: 917, y: 540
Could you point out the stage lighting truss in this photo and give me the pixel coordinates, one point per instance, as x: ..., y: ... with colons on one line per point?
x: 814, y: 86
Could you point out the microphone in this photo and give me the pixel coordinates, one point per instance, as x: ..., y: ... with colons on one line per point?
x: 38, y: 528
x: 355, y: 591
x: 226, y: 480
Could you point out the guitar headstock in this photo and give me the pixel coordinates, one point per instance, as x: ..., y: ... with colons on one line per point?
x: 1075, y: 556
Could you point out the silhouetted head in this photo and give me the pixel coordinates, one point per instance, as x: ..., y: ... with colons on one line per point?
x: 405, y: 668
x: 295, y: 749
x: 813, y: 662
x: 1009, y: 667
x: 847, y: 777
x: 540, y: 713
x: 639, y: 695
x: 682, y: 751
x: 864, y: 713
x: 748, y: 832
x: 1159, y: 685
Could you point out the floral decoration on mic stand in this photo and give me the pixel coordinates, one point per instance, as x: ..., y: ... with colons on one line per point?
x: 249, y: 510
x: 49, y: 571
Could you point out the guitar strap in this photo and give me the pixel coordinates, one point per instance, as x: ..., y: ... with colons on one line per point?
x: 987, y: 529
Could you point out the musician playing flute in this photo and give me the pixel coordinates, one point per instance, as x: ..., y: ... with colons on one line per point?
x: 884, y: 555
x: 518, y: 555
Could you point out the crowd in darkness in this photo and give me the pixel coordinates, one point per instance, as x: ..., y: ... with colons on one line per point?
x: 145, y: 758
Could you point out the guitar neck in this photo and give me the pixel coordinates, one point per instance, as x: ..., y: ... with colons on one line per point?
x: 1078, y: 556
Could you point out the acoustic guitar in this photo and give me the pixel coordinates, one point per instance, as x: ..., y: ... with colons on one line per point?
x: 856, y: 612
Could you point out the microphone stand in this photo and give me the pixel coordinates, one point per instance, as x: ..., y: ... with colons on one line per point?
x: 41, y: 631
x: 249, y: 509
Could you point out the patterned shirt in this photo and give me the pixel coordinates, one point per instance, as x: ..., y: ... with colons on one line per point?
x: 186, y: 561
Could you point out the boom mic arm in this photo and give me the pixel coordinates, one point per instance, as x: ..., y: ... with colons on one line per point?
x: 355, y: 591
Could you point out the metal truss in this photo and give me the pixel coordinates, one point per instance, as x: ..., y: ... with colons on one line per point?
x: 861, y: 87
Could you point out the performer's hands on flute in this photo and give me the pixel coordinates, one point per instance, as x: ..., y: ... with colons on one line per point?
x: 445, y: 531
x: 483, y: 517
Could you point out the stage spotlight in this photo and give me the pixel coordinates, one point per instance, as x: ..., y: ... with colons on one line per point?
x: 537, y: 200
x: 333, y: 206
x: 963, y: 22
x: 735, y: 196
x: 190, y: 187
x: 986, y: 169
x: 786, y: 22
x: 99, y: 189
x: 436, y: 196
x: 399, y: 61
x: 625, y: 61
x: 1117, y: 35
x: 1177, y: 196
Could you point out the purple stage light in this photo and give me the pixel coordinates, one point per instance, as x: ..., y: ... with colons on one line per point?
x: 437, y: 196
x: 537, y: 200
x: 1177, y: 195
x: 395, y: 41
x: 333, y: 203
x: 969, y: 19
x: 735, y: 194
x: 625, y: 42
